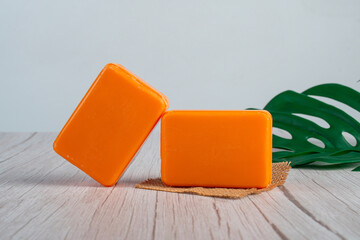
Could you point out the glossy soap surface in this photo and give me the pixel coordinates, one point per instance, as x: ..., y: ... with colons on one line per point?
x: 216, y: 148
x: 110, y: 124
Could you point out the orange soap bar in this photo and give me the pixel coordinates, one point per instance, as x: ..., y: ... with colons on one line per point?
x: 216, y: 148
x: 110, y: 124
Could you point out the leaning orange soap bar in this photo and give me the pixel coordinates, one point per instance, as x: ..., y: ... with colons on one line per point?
x: 216, y: 148
x: 110, y: 124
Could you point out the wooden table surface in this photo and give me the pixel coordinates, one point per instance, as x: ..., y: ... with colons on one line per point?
x: 42, y: 196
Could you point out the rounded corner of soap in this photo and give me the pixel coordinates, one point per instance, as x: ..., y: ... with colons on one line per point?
x: 264, y: 183
x: 266, y: 114
x: 108, y: 184
x: 111, y: 65
x: 162, y: 100
x: 166, y: 102
x: 55, y: 145
x: 165, y: 180
x: 164, y: 105
x: 114, y: 67
x: 165, y: 115
x: 267, y: 184
x: 104, y: 180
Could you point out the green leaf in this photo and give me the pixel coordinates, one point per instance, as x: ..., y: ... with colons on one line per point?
x: 357, y: 169
x: 291, y: 111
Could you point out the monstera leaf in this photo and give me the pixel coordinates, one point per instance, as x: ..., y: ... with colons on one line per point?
x: 295, y: 113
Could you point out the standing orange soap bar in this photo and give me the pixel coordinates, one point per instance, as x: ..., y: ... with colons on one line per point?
x: 110, y: 124
x: 216, y: 148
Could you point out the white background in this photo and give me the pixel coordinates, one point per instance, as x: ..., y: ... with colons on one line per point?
x: 201, y: 54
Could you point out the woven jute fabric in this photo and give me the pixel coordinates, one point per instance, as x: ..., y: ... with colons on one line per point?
x: 279, y: 175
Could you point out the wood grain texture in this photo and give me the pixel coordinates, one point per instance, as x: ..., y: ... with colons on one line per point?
x: 44, y: 197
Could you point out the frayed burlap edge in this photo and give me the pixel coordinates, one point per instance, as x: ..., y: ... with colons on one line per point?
x: 280, y: 172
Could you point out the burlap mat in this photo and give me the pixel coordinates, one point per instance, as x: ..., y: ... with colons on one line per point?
x: 279, y: 174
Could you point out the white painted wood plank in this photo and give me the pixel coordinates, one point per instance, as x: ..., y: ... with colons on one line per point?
x: 331, y: 198
x: 44, y: 197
